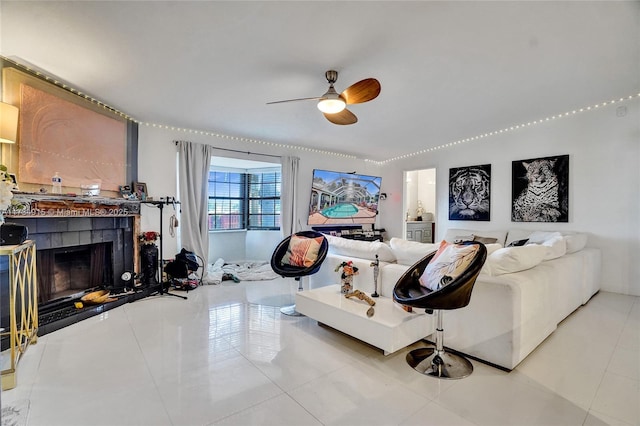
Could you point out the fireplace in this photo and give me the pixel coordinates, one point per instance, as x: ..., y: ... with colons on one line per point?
x: 76, y: 254
x: 68, y: 271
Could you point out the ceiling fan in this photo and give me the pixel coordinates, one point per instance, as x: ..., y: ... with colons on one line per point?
x: 333, y: 104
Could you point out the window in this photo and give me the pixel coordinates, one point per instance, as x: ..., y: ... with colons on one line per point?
x: 244, y: 199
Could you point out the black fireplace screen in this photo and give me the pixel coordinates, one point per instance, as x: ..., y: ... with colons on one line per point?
x: 69, y: 270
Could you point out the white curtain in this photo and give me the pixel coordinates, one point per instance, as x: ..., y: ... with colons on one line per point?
x: 289, y: 195
x: 193, y: 172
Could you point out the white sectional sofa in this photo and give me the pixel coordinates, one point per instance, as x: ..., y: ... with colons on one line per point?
x: 518, y: 300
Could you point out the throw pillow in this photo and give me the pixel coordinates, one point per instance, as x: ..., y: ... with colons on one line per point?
x: 362, y: 249
x: 409, y: 252
x: 449, y: 262
x: 518, y: 243
x: 302, y: 251
x: 539, y: 237
x: 556, y: 247
x: 515, y: 259
x: 575, y: 242
x: 484, y: 240
x: 460, y: 238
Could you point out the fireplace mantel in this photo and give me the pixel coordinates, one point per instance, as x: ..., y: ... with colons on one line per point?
x: 31, y: 205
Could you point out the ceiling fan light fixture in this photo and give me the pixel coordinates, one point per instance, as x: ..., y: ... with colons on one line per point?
x: 331, y: 106
x: 331, y: 102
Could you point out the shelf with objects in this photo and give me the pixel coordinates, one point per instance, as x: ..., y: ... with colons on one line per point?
x: 356, y: 232
x: 19, y: 309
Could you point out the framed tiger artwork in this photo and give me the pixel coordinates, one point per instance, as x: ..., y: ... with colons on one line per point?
x: 470, y: 193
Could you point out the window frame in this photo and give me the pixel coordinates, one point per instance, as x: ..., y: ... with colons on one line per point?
x: 247, y: 200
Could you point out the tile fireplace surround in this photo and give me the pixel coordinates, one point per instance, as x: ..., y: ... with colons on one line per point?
x: 58, y: 222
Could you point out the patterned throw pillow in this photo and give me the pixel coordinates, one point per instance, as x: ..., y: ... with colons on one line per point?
x: 302, y: 251
x: 449, y: 262
x: 484, y: 240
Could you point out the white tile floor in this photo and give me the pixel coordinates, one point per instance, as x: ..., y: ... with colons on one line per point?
x: 227, y: 356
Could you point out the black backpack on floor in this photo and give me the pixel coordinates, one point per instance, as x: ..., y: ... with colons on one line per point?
x: 184, y: 263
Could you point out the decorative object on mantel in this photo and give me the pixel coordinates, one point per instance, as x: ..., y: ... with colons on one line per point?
x: 6, y: 185
x: 27, y: 205
x: 149, y: 257
x: 348, y: 271
x: 140, y: 190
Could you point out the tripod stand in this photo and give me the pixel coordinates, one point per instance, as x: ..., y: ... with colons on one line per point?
x: 160, y: 287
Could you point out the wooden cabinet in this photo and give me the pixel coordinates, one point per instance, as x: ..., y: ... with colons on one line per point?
x: 420, y: 231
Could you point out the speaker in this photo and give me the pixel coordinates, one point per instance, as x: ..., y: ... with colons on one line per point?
x: 13, y: 234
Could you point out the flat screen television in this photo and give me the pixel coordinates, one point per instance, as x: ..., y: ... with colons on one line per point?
x: 339, y: 198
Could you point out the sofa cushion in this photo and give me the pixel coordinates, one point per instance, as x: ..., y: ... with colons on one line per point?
x: 518, y: 243
x: 409, y: 252
x: 575, y: 241
x: 514, y: 259
x: 452, y: 233
x: 553, y: 241
x: 484, y: 240
x: 449, y: 262
x: 302, y: 251
x: 362, y: 249
x: 539, y: 237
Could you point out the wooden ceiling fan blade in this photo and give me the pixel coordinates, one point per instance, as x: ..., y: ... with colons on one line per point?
x: 362, y: 91
x: 342, y: 118
x: 317, y: 98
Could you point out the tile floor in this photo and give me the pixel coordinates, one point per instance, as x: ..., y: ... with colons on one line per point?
x: 226, y: 356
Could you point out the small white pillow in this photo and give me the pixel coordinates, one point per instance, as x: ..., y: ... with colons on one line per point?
x: 556, y: 247
x: 514, y: 259
x: 575, y: 242
x: 539, y: 237
x: 492, y: 247
x: 409, y: 252
x: 461, y: 238
x: 362, y: 249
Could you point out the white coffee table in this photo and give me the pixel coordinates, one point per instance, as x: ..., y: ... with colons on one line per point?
x: 390, y: 328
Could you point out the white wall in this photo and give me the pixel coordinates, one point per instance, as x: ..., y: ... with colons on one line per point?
x: 604, y: 183
x: 157, y: 168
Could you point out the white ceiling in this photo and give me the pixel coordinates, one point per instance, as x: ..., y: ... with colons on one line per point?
x: 448, y: 70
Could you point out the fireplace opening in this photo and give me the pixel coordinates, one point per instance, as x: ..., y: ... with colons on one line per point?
x: 70, y: 271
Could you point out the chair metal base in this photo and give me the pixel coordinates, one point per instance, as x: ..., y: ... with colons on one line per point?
x: 442, y: 365
x: 291, y: 311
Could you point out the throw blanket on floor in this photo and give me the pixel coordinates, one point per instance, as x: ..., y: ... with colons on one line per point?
x: 248, y: 271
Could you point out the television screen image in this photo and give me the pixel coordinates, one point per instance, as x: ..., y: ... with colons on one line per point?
x: 343, y: 198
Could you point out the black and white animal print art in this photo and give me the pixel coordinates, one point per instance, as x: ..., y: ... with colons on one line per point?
x: 540, y: 190
x: 469, y: 193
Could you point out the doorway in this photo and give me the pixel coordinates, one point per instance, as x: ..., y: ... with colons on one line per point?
x: 420, y: 205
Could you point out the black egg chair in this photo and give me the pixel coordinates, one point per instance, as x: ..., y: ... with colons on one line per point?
x: 297, y: 272
x: 435, y: 361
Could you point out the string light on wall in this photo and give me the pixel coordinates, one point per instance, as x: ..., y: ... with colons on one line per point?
x: 250, y: 140
x: 166, y: 127
x: 314, y: 150
x: 506, y: 129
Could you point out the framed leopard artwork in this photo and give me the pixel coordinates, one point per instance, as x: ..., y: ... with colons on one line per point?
x: 540, y: 190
